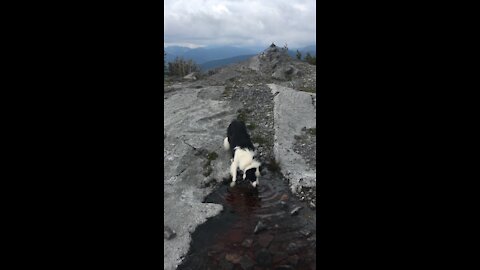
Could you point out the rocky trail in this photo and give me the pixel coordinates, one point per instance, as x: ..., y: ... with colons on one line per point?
x: 208, y: 224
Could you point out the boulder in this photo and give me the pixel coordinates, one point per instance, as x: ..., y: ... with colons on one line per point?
x: 192, y: 76
x: 293, y: 110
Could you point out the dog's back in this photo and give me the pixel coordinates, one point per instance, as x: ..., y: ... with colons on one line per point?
x: 238, y: 136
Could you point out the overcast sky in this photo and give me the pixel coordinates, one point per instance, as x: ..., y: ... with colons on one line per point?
x: 196, y: 23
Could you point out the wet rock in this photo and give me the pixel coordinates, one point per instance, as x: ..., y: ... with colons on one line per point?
x: 284, y: 267
x: 225, y: 265
x: 312, y: 205
x: 246, y: 263
x: 260, y: 227
x: 263, y: 258
x: 305, y: 232
x: 295, y: 210
x: 278, y: 256
x: 292, y: 248
x: 168, y: 233
x: 293, y: 260
x: 265, y: 239
x: 264, y: 121
x: 313, y: 241
x: 233, y: 257
x: 247, y: 243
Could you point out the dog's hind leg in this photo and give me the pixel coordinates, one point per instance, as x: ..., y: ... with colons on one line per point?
x: 233, y: 172
x: 256, y: 182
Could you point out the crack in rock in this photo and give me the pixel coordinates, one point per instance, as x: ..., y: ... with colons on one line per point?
x: 189, y: 145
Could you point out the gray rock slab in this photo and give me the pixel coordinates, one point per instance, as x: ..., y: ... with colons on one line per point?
x: 192, y: 76
x: 293, y: 110
x: 191, y: 124
x: 254, y: 63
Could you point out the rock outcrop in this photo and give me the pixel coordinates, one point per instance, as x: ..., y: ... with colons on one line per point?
x: 268, y: 93
x: 293, y: 111
x: 195, y: 124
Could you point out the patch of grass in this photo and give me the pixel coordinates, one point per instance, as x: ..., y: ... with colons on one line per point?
x: 258, y: 139
x: 309, y: 89
x: 228, y: 91
x: 207, y: 167
x: 273, y: 165
x: 312, y: 131
x: 208, y: 171
x: 242, y: 116
x: 212, y: 156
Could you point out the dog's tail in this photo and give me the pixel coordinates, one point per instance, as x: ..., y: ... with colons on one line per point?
x: 226, y: 144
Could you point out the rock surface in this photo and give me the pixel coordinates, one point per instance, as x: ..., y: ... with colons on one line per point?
x: 260, y: 227
x: 168, y: 233
x: 192, y: 76
x: 268, y: 91
x: 194, y: 124
x: 293, y: 111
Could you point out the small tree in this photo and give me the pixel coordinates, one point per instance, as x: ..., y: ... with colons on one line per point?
x: 165, y: 69
x: 312, y: 60
x: 180, y: 67
x: 299, y: 55
x: 308, y: 57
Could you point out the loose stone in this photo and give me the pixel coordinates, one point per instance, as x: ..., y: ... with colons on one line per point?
x: 168, y: 233
x: 295, y: 210
x: 260, y: 227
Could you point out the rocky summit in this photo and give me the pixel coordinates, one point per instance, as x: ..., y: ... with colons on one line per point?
x: 275, y: 95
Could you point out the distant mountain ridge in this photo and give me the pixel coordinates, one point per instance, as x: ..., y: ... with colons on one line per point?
x: 206, y: 54
x: 223, y: 62
x: 212, y: 57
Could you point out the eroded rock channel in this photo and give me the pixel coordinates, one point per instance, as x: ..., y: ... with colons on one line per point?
x: 208, y: 224
x: 258, y: 229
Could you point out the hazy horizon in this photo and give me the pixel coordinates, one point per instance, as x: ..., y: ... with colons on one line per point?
x: 262, y: 47
x: 253, y: 24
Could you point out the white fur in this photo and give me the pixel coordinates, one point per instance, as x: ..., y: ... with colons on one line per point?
x: 226, y: 144
x: 243, y: 160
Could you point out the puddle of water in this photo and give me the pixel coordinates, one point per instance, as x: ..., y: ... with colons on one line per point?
x: 228, y: 241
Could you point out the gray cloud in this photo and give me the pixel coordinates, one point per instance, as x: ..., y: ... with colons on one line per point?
x: 256, y: 23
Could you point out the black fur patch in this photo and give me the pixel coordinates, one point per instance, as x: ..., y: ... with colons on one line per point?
x: 250, y: 175
x: 238, y: 136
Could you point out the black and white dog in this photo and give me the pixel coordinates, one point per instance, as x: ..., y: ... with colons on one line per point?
x: 238, y: 141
